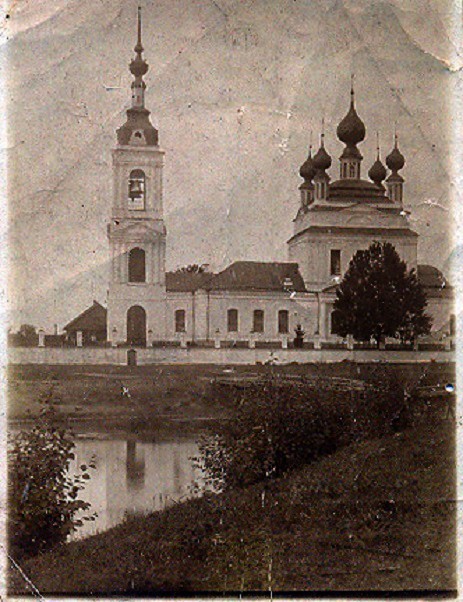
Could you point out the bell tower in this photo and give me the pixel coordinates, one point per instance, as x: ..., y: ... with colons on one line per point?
x: 136, y: 231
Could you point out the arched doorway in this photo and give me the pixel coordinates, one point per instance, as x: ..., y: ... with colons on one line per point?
x: 136, y: 326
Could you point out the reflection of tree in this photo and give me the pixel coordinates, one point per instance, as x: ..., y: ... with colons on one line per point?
x: 135, y: 465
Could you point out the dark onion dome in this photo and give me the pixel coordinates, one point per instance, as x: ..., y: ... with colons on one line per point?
x: 351, y: 130
x: 395, y: 160
x: 321, y: 160
x: 307, y: 170
x: 357, y: 191
x: 377, y: 172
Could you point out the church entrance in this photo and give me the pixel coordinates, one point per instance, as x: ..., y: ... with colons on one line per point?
x: 136, y: 326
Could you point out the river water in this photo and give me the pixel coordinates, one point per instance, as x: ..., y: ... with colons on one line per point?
x: 134, y: 476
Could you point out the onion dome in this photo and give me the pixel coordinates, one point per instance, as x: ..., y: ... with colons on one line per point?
x: 307, y: 170
x: 377, y: 171
x: 322, y: 160
x: 395, y: 160
x: 351, y: 130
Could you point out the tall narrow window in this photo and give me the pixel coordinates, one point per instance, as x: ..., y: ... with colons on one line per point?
x: 283, y: 321
x: 258, y: 321
x: 452, y: 325
x: 335, y: 316
x: 335, y: 262
x: 180, y: 322
x: 232, y: 320
x: 137, y: 265
x: 137, y: 186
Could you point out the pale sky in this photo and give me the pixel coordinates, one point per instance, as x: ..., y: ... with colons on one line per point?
x: 235, y: 88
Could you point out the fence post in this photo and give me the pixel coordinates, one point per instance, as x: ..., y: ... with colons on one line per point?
x: 252, y: 341
x: 41, y: 338
x: 317, y: 341
x: 217, y: 339
x: 183, y: 340
x: 284, y: 342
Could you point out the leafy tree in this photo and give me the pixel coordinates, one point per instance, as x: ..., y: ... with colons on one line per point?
x: 379, y: 297
x: 193, y: 268
x: 27, y: 330
x: 42, y: 495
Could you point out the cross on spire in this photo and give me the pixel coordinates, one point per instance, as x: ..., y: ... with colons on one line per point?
x: 139, y: 48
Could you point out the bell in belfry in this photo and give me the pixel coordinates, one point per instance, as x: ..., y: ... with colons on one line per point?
x: 135, y: 191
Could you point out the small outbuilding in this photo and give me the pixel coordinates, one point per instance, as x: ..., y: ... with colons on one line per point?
x: 91, y: 323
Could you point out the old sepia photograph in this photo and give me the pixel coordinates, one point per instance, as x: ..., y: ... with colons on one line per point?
x: 230, y: 317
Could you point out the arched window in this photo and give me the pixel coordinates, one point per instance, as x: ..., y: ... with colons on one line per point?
x: 137, y: 187
x: 283, y: 321
x: 137, y: 265
x: 258, y: 321
x: 180, y: 321
x: 232, y: 320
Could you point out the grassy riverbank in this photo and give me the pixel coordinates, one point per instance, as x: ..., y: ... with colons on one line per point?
x: 377, y: 515
x: 161, y: 392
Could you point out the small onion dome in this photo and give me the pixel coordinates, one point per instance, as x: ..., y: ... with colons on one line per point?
x: 351, y: 130
x: 307, y: 170
x: 395, y: 160
x: 138, y: 66
x: 377, y: 172
x: 321, y: 160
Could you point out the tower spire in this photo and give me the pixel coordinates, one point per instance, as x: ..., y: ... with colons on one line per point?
x: 138, y: 129
x: 138, y: 68
x: 139, y: 48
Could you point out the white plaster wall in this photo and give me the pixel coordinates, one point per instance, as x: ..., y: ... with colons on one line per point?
x: 207, y: 312
x: 440, y: 311
x: 223, y: 356
x: 312, y: 253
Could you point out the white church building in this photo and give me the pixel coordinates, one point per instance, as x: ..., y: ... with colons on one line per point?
x: 251, y: 302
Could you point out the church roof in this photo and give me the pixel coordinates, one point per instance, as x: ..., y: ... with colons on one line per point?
x: 259, y: 276
x: 240, y: 276
x: 433, y: 281
x: 137, y: 121
x: 183, y: 282
x: 345, y: 189
x: 93, y: 318
x: 366, y: 230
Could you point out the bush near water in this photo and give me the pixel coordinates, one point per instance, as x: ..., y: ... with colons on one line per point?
x: 280, y: 425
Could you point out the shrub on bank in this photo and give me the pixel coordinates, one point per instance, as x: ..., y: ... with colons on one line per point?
x: 42, y: 496
x: 278, y: 425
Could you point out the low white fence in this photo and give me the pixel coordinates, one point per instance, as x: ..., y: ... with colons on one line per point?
x: 202, y: 355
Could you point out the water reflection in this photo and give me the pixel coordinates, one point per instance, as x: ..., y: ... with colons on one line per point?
x: 134, y: 477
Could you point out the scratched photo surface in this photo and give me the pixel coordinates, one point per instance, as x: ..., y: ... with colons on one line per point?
x: 231, y: 322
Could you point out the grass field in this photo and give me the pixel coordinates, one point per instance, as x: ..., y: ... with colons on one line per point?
x: 162, y: 393
x: 376, y: 515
